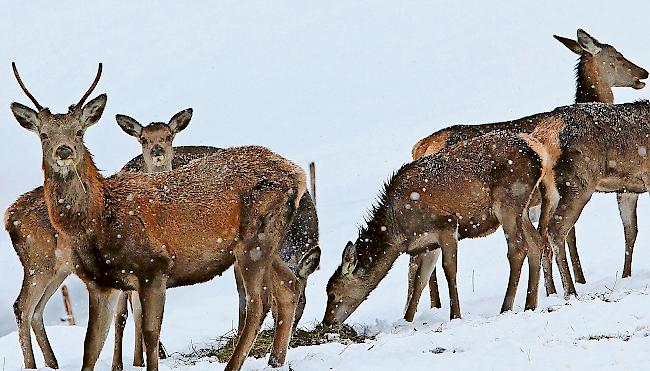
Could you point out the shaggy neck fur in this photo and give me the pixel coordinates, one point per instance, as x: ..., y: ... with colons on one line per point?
x: 590, y: 85
x: 377, y: 245
x: 75, y: 209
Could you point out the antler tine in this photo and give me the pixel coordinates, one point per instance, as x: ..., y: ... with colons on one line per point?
x: 91, y: 88
x: 20, y: 82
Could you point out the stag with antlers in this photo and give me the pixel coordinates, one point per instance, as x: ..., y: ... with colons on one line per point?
x: 147, y: 233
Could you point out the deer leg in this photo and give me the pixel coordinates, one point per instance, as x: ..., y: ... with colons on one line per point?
x: 100, y: 313
x: 420, y: 268
x: 285, y: 294
x: 121, y: 315
x: 136, y: 309
x: 241, y: 291
x: 516, y: 249
x: 152, y: 298
x: 566, y: 214
x: 253, y: 280
x: 434, y: 292
x: 550, y: 198
x: 627, y: 203
x: 534, y: 244
x: 34, y: 285
x: 575, y: 258
x: 449, y: 247
x: 37, y: 321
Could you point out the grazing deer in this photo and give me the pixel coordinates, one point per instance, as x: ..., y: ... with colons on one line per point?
x: 592, y: 147
x: 300, y: 248
x: 149, y: 232
x: 600, y: 68
x: 465, y: 191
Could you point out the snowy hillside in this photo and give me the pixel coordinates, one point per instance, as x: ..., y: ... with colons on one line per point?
x: 351, y: 85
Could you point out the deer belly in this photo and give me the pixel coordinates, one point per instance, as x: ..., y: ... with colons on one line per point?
x: 622, y: 183
x: 200, y: 264
x: 477, y: 225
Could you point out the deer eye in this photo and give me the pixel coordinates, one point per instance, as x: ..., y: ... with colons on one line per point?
x: 44, y: 136
x: 169, y: 138
x: 80, y: 133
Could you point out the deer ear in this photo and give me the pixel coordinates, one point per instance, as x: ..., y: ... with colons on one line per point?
x: 92, y: 111
x: 349, y: 262
x: 588, y: 43
x: 129, y: 125
x: 25, y: 116
x: 309, y: 263
x: 180, y: 120
x: 571, y: 44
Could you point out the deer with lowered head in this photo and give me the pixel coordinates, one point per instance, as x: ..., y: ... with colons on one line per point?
x: 600, y: 68
x: 464, y: 191
x: 149, y: 232
x: 299, y: 250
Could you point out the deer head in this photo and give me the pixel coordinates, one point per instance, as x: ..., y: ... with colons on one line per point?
x: 610, y: 65
x: 61, y: 135
x: 346, y: 289
x: 156, y: 138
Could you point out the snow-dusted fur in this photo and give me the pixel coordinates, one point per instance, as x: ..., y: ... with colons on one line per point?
x: 464, y: 191
x: 594, y: 147
x: 600, y: 67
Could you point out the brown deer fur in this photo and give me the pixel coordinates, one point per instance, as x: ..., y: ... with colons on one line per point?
x: 299, y: 250
x: 46, y: 263
x: 600, y: 67
x: 148, y: 232
x: 593, y: 148
x: 464, y: 191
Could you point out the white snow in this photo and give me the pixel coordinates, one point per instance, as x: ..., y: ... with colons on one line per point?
x: 352, y: 86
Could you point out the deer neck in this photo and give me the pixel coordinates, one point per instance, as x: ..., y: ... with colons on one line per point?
x: 75, y: 201
x: 377, y: 250
x: 591, y: 83
x: 150, y: 169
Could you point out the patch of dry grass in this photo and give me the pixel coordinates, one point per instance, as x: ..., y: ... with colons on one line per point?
x: 224, y: 345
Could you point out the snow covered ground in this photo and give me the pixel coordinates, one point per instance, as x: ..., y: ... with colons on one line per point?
x: 350, y: 85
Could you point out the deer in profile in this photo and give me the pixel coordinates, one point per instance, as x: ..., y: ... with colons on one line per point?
x: 592, y: 147
x: 149, y: 232
x: 464, y: 191
x: 300, y: 248
x: 600, y: 68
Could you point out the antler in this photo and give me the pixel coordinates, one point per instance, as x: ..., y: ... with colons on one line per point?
x: 20, y: 82
x: 91, y: 88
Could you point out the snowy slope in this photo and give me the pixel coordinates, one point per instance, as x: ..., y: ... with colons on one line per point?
x: 350, y: 85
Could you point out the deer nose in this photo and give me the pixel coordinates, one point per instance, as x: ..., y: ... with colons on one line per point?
x: 64, y: 152
x: 157, y: 150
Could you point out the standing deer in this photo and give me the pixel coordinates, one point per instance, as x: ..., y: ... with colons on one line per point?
x: 465, y: 191
x: 600, y: 68
x: 46, y: 264
x: 592, y: 148
x: 300, y: 248
x: 149, y: 232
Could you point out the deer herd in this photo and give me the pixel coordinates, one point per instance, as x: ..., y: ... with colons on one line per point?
x: 177, y: 216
